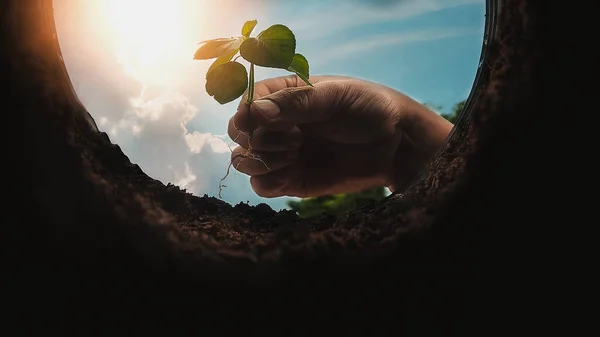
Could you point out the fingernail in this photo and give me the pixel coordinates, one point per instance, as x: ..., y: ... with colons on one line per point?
x: 269, y: 109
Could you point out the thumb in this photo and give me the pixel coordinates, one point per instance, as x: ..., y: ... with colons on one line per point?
x: 288, y: 107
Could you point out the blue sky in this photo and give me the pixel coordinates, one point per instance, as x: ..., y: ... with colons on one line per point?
x: 131, y: 64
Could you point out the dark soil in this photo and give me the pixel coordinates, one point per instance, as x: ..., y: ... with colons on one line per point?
x: 95, y: 225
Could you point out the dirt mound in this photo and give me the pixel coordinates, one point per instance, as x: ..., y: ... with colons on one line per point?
x: 91, y: 216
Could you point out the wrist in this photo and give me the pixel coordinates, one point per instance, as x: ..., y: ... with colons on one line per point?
x: 423, y: 132
x: 406, y: 164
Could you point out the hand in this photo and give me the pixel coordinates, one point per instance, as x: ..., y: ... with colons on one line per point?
x: 340, y: 136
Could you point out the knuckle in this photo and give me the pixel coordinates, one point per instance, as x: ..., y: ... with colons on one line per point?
x: 231, y: 130
x: 341, y: 90
x: 291, y: 80
x: 237, y: 154
x: 296, y: 97
x: 240, y: 165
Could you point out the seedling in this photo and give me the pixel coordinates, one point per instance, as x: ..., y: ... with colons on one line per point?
x: 227, y: 79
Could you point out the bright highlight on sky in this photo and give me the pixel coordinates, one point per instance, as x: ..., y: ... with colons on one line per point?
x: 131, y: 64
x: 143, y: 46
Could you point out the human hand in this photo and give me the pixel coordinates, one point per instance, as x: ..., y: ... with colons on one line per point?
x: 340, y: 136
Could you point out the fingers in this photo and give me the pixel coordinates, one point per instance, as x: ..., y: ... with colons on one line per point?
x: 260, y: 162
x: 289, y: 106
x: 288, y: 181
x: 277, y: 183
x: 263, y: 88
x: 267, y: 140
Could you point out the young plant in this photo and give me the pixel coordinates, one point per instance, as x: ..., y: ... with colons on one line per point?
x: 227, y: 79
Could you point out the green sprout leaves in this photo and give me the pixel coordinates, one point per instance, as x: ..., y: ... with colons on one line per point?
x: 227, y: 82
x: 248, y: 27
x: 299, y: 66
x: 274, y: 47
x: 217, y: 47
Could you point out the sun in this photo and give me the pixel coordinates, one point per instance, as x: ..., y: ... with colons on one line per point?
x: 148, y: 36
x: 154, y: 41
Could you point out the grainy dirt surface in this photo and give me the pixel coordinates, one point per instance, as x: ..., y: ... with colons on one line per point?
x: 94, y: 217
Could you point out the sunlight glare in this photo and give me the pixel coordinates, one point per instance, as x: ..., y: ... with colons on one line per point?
x: 149, y: 36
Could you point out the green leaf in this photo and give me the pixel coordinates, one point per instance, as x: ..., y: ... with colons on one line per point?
x: 217, y: 47
x: 221, y: 39
x: 274, y: 47
x: 248, y: 27
x: 222, y: 60
x: 227, y: 82
x: 300, y: 67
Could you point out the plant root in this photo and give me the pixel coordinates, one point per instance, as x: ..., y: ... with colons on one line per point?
x: 243, y: 156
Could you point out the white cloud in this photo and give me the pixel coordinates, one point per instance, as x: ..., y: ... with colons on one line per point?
x: 150, y: 124
x: 136, y: 129
x: 347, y: 15
x: 370, y: 43
x: 196, y: 141
x: 154, y: 133
x: 186, y: 181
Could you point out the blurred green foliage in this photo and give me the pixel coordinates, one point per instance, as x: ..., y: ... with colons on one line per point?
x: 336, y: 203
x: 452, y: 117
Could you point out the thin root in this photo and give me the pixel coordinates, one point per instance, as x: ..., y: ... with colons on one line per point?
x: 247, y: 155
x: 222, y: 179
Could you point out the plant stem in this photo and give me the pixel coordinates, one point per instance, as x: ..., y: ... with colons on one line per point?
x: 250, y: 97
x: 251, y: 85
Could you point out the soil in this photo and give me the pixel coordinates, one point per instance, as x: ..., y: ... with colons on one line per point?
x: 90, y: 216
